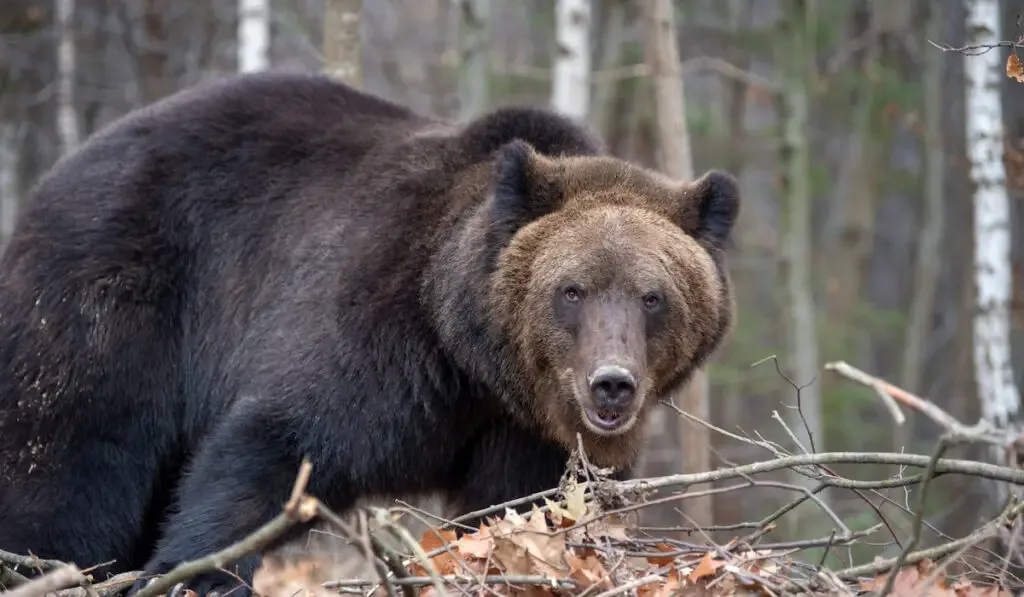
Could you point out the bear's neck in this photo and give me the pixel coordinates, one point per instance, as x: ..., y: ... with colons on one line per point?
x: 455, y: 291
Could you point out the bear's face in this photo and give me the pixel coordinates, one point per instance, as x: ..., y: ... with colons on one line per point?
x: 609, y: 285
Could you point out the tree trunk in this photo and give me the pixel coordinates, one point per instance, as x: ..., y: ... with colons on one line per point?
x: 796, y: 61
x: 677, y: 161
x: 155, y: 78
x: 997, y: 390
x: 9, y: 187
x: 605, y: 93
x: 928, y: 258
x: 474, y: 66
x: 67, y: 117
x: 342, y: 40
x: 253, y: 35
x: 570, y: 86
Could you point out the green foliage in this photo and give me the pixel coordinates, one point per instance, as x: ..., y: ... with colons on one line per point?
x: 701, y: 121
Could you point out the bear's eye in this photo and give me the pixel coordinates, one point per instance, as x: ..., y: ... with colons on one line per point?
x: 652, y: 300
x: 572, y: 294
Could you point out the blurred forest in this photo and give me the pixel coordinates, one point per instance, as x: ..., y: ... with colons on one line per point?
x: 846, y: 127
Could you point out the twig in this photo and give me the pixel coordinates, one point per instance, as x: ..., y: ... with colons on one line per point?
x: 885, y: 390
x: 402, y: 534
x: 10, y: 578
x: 493, y: 579
x: 925, y: 407
x: 915, y: 536
x: 933, y: 552
x: 629, y: 586
x: 385, y: 554
x: 300, y: 508
x: 31, y: 562
x: 944, y: 466
x: 59, y: 578
x: 979, y: 49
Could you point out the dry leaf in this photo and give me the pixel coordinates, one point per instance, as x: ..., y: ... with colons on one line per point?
x: 444, y: 562
x: 526, y: 546
x: 281, y: 578
x: 667, y: 588
x: 910, y: 581
x: 575, y: 506
x: 1015, y: 68
x: 708, y: 566
x: 474, y: 545
x: 588, y: 571
x: 662, y: 560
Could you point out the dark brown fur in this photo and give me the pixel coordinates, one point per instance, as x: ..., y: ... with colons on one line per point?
x: 278, y: 266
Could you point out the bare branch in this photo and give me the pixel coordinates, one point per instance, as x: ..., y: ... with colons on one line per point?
x: 979, y: 49
x: 59, y: 578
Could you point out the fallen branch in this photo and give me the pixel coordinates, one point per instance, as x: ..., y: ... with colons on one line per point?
x: 56, y: 579
x: 31, y: 562
x: 897, y: 394
x: 423, y: 581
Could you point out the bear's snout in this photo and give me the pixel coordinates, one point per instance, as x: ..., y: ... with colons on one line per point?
x: 609, y: 399
x: 612, y: 388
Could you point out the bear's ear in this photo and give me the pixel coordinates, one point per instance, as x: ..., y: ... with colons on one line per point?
x: 709, y: 207
x: 525, y: 187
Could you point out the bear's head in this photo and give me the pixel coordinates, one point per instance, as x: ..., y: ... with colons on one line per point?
x: 584, y: 289
x: 610, y: 286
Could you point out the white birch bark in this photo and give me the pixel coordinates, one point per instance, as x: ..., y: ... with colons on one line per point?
x: 253, y: 35
x: 997, y: 390
x: 993, y: 369
x: 570, y: 87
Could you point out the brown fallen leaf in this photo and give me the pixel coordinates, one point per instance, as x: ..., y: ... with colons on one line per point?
x: 474, y: 545
x: 662, y: 560
x: 1015, y: 68
x: 667, y: 588
x: 910, y: 580
x: 444, y: 562
x: 588, y: 571
x: 290, y: 578
x: 525, y: 546
x: 572, y: 508
x: 708, y: 566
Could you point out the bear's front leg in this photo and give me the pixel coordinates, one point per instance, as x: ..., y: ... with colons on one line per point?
x: 240, y: 480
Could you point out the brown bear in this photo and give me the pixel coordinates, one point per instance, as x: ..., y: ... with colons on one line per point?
x: 278, y: 266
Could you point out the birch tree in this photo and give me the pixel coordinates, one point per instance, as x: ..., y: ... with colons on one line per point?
x: 796, y: 63
x: 570, y: 90
x: 997, y: 390
x: 253, y: 35
x: 677, y: 161
x: 474, y: 66
x: 342, y: 42
x: 67, y: 118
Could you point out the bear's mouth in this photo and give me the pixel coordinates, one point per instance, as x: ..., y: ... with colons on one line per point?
x: 608, y: 421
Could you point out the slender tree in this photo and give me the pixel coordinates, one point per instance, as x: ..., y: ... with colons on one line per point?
x: 67, y: 117
x: 474, y: 67
x: 253, y: 35
x: 677, y: 160
x: 993, y: 369
x: 342, y: 42
x: 570, y: 90
x: 796, y: 63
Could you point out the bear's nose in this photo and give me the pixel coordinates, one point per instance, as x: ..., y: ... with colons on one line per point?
x: 612, y: 387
